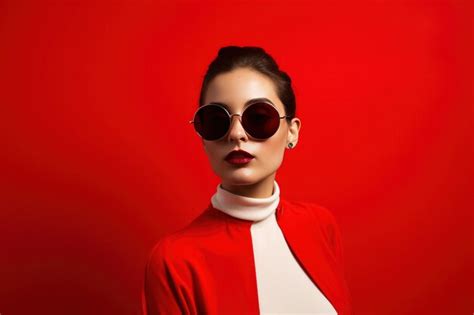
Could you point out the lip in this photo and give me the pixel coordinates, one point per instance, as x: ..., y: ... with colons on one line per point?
x: 239, y: 157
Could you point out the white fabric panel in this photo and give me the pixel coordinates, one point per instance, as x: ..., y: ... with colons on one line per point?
x: 283, y: 286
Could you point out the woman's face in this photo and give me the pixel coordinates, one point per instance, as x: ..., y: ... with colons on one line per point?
x: 234, y: 89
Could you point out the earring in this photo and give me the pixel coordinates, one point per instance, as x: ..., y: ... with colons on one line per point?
x: 290, y: 145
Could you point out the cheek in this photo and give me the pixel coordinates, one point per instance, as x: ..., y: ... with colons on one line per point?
x: 212, y: 154
x: 272, y: 154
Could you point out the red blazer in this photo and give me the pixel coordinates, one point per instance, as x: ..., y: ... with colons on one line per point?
x: 208, y: 266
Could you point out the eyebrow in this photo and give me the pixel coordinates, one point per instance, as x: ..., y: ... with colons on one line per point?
x: 253, y: 100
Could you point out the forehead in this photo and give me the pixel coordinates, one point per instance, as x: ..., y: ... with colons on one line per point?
x: 236, y: 88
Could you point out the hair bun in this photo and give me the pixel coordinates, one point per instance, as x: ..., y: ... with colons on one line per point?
x: 241, y: 50
x: 228, y: 50
x: 255, y: 58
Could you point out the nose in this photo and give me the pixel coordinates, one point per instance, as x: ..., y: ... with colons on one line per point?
x: 236, y: 130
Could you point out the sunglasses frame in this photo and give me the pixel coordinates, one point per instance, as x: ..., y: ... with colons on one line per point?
x: 231, y: 116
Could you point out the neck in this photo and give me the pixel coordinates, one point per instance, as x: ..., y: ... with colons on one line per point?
x: 247, y: 208
x: 262, y: 189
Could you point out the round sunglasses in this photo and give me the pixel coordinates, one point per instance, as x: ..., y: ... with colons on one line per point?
x: 260, y: 120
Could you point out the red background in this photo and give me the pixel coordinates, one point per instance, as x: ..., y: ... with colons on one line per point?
x: 98, y: 160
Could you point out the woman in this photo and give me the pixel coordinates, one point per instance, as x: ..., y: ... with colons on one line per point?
x: 250, y: 251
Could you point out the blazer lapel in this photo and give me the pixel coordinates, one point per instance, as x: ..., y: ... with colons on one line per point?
x: 308, y: 245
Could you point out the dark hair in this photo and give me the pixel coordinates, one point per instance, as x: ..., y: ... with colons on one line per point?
x: 232, y: 57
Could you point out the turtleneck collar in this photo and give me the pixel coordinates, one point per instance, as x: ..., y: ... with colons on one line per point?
x: 246, y: 208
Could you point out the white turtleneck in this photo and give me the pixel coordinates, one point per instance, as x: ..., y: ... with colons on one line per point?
x: 283, y: 286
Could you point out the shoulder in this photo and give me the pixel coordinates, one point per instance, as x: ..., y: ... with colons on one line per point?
x: 166, y: 247
x: 169, y: 245
x: 313, y: 210
x: 171, y: 255
x: 319, y: 217
x: 182, y: 246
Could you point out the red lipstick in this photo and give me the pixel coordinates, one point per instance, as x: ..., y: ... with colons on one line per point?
x: 239, y: 157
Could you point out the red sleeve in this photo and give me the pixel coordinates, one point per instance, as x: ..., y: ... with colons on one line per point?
x: 335, y: 236
x: 165, y: 290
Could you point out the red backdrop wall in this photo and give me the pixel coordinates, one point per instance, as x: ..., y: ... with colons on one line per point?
x: 98, y: 160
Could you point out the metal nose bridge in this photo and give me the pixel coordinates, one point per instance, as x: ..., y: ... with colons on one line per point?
x: 232, y: 116
x: 230, y: 124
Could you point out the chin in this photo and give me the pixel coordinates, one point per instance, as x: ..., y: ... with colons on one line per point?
x: 238, y: 180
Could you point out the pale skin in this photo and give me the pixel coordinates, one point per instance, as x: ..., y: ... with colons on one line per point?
x: 255, y: 179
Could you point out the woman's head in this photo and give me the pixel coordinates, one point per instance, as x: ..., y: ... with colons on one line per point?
x: 239, y: 76
x: 233, y: 57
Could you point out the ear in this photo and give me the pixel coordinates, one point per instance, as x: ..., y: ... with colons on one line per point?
x: 294, y: 128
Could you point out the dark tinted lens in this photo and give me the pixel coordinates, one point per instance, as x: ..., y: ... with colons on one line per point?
x: 261, y: 120
x: 211, y: 122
